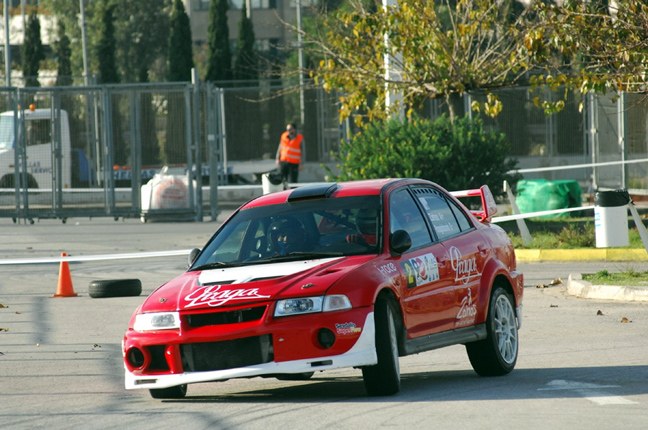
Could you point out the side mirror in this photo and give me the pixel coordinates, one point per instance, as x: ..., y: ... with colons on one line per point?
x: 399, y: 242
x: 192, y: 256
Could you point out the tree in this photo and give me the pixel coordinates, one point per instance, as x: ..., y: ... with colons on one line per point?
x: 63, y: 53
x: 142, y: 34
x: 245, y: 63
x: 601, y: 48
x: 179, y: 70
x: 180, y: 46
x: 32, y: 51
x: 106, y: 47
x: 219, y: 57
x: 438, y: 49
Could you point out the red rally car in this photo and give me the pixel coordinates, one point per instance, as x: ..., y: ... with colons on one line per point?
x: 326, y: 276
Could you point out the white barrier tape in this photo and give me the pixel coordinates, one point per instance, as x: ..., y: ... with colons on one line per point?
x: 537, y: 214
x: 94, y: 257
x: 577, y: 166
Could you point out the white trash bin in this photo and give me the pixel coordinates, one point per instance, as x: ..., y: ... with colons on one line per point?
x: 272, y: 182
x: 611, y: 218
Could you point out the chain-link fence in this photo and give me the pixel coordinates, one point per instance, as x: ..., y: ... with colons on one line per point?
x: 95, y: 151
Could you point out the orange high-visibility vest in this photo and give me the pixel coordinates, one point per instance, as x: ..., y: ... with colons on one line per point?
x: 290, y: 149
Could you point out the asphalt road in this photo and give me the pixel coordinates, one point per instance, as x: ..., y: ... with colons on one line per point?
x: 60, y: 358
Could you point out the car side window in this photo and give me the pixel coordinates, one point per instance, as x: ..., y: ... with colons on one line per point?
x: 404, y: 214
x: 446, y: 218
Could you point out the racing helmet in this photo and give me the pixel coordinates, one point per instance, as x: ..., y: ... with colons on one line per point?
x: 367, y: 221
x: 287, y: 235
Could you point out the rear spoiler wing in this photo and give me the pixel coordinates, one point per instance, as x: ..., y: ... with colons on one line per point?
x: 489, y: 207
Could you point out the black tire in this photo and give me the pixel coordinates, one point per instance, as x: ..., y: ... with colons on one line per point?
x: 8, y: 181
x: 497, y: 354
x: 177, y: 392
x: 383, y: 379
x: 295, y: 376
x: 115, y: 288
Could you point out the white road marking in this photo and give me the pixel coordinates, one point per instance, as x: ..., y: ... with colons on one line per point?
x: 591, y: 392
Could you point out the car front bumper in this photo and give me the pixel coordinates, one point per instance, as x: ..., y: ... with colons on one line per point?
x: 362, y: 353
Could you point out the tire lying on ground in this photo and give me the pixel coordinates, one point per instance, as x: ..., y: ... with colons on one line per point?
x: 115, y: 288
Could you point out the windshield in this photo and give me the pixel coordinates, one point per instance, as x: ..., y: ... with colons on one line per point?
x: 295, y: 231
x: 6, y: 132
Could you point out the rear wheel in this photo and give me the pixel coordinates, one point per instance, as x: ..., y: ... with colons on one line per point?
x: 496, y: 355
x: 383, y: 379
x: 9, y: 181
x: 177, y: 392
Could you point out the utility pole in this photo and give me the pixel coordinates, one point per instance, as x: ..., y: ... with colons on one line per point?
x: 7, y: 46
x: 83, y: 44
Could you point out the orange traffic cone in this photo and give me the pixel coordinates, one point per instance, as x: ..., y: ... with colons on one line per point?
x: 65, y: 288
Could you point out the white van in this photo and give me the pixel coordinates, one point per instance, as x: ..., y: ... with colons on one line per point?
x: 39, y: 126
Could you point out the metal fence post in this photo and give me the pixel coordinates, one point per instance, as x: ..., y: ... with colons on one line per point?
x: 196, y: 168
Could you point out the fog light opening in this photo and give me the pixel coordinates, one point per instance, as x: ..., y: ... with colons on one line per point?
x: 135, y: 357
x: 326, y: 338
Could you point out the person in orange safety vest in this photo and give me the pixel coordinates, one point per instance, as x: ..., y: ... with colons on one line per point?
x: 290, y: 153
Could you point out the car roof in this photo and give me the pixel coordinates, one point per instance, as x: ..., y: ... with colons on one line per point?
x: 366, y: 187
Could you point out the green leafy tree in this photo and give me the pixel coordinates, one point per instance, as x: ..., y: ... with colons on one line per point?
x: 219, y: 57
x: 179, y: 70
x: 438, y: 49
x: 180, y: 46
x: 246, y: 67
x: 32, y: 51
x: 459, y: 155
x: 107, y: 46
x: 142, y: 34
x: 601, y: 48
x: 63, y: 53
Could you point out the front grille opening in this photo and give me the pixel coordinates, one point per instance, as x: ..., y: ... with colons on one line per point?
x: 228, y: 354
x: 158, y: 361
x: 227, y: 317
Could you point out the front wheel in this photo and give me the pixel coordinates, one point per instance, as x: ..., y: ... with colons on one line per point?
x: 383, y: 379
x: 177, y: 392
x: 496, y: 355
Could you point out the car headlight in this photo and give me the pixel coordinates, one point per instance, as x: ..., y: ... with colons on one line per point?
x: 157, y: 321
x: 308, y: 305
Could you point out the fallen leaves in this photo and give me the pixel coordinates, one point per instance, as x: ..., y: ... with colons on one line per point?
x: 623, y: 320
x: 553, y: 283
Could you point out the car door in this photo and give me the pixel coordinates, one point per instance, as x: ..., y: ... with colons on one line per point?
x: 427, y: 297
x: 465, y: 248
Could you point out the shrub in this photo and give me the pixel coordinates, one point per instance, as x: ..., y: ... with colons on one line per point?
x: 457, y: 156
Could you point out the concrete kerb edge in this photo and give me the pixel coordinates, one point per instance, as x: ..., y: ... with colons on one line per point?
x: 586, y: 290
x: 581, y: 255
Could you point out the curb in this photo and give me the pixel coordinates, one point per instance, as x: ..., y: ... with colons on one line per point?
x: 581, y: 255
x: 586, y: 290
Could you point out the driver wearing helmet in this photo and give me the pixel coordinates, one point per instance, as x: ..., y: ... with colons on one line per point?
x: 367, y: 226
x: 287, y: 235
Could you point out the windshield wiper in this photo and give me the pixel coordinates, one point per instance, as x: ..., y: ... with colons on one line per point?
x: 303, y: 256
x: 215, y: 265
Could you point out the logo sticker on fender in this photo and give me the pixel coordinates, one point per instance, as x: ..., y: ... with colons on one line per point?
x: 347, y: 328
x: 465, y: 268
x: 467, y: 312
x: 213, y: 296
x: 421, y: 270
